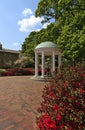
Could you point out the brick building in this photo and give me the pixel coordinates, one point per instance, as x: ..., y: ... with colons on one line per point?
x: 7, y: 57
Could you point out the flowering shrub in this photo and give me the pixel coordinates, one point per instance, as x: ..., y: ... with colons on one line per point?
x: 28, y: 71
x: 7, y: 73
x: 17, y: 72
x: 63, y: 104
x: 20, y: 71
x: 12, y: 72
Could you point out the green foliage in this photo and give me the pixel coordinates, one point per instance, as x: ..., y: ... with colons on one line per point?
x: 67, y: 30
x: 69, y: 16
x: 1, y: 71
x: 49, y: 10
x: 24, y: 62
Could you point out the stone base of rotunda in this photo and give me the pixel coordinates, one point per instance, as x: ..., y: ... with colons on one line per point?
x: 40, y: 78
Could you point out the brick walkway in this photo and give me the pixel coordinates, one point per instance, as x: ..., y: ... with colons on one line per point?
x: 20, y: 96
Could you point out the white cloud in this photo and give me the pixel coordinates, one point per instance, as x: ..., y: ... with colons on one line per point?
x: 26, y: 11
x: 15, y: 43
x: 45, y: 25
x: 29, y: 24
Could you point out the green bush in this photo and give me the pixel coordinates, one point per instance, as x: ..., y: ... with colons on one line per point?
x: 1, y: 71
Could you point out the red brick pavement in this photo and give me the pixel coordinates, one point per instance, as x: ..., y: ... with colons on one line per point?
x: 20, y: 96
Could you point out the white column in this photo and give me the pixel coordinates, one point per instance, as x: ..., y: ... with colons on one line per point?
x: 59, y: 61
x: 36, y: 64
x: 42, y: 64
x: 53, y: 61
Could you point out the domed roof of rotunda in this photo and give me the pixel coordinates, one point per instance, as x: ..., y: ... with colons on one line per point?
x: 47, y: 44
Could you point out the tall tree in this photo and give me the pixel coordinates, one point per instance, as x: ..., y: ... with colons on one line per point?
x: 69, y: 16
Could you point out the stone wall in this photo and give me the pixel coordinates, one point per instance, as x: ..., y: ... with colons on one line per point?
x: 7, y: 58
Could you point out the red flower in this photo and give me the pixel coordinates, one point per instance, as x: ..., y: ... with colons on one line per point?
x: 78, y: 84
x: 65, y: 84
x: 83, y: 75
x: 82, y: 91
x: 64, y: 102
x: 45, y: 122
x: 56, y: 107
x: 59, y: 117
x: 52, y: 94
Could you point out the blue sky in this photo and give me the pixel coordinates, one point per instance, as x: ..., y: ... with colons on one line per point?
x: 17, y: 20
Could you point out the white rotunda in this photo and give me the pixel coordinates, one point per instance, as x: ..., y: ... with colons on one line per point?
x: 47, y: 48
